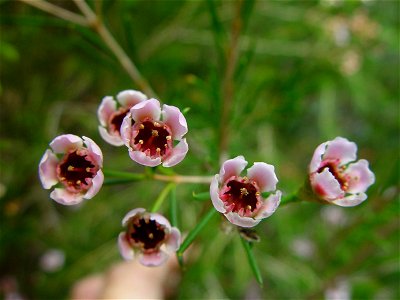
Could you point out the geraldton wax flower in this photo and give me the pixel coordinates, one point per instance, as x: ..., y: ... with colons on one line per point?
x: 241, y: 199
x: 149, y: 236
x: 335, y: 177
x: 111, y: 113
x: 154, y: 136
x: 73, y: 165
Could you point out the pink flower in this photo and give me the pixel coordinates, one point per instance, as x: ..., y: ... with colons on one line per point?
x: 111, y: 113
x: 240, y: 199
x: 151, y: 134
x: 77, y: 172
x: 148, y: 235
x: 335, y: 177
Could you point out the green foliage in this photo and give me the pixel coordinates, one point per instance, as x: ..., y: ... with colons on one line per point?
x: 306, y: 72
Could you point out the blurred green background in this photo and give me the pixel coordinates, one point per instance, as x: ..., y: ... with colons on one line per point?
x: 307, y: 71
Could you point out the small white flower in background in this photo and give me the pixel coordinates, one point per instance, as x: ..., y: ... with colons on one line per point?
x: 340, y: 290
x: 52, y: 260
x: 334, y: 215
x: 303, y: 247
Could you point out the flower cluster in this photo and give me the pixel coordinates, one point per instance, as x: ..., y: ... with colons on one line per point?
x: 155, y: 135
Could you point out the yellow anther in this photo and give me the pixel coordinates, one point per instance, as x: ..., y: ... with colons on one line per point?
x: 158, y: 150
x: 141, y: 126
x: 154, y: 132
x: 258, y: 194
x: 248, y: 207
x: 62, y: 178
x: 151, y: 236
x: 141, y: 142
x: 168, y: 137
x: 88, y: 169
x: 71, y: 168
x: 156, y: 124
x: 78, y: 182
x: 244, y: 192
x: 245, y: 178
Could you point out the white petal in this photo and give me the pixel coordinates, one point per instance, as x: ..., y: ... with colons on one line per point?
x: 214, y: 194
x: 317, y: 157
x: 360, y: 175
x: 174, y: 240
x: 143, y: 159
x: 232, y: 167
x: 326, y: 186
x: 264, y: 175
x: 114, y: 140
x: 342, y: 149
x: 129, y: 98
x: 97, y: 182
x: 66, y: 142
x: 351, y: 200
x: 131, y: 214
x: 94, y: 151
x: 269, y: 206
x: 177, y: 154
x: 48, y: 169
x: 106, y: 109
x: 146, y: 109
x: 175, y: 120
x: 64, y: 197
x: 124, y: 248
x: 153, y: 259
x: 235, y: 219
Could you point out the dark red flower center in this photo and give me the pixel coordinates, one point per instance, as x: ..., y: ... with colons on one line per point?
x: 116, y: 120
x: 146, y: 233
x: 75, y: 168
x: 241, y: 196
x: 337, y: 172
x: 153, y: 138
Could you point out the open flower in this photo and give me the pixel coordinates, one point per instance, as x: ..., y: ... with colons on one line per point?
x: 148, y: 235
x: 335, y: 177
x: 77, y: 171
x: 151, y: 134
x: 241, y: 199
x: 111, y: 113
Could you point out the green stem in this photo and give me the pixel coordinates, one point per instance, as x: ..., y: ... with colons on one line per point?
x: 290, y: 199
x: 252, y: 260
x: 162, y: 196
x: 195, y: 231
x: 124, y: 175
x: 173, y: 208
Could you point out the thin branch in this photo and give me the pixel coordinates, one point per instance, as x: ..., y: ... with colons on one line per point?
x: 228, y: 81
x: 98, y: 26
x: 58, y: 11
x: 183, y: 179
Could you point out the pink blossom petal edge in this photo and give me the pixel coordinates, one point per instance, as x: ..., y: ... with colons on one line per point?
x: 264, y: 175
x: 66, y: 142
x: 177, y: 154
x: 153, y: 259
x: 317, y: 157
x: 361, y: 177
x: 214, y: 194
x: 173, y: 117
x: 232, y: 167
x: 326, y: 185
x: 94, y: 151
x: 64, y: 197
x: 114, y: 140
x: 125, y: 130
x: 106, y: 109
x: 269, y: 205
x: 131, y: 214
x: 143, y: 159
x: 97, y: 182
x: 350, y: 200
x: 129, y: 98
x: 234, y: 218
x: 146, y: 109
x: 124, y: 248
x: 342, y: 149
x: 174, y: 240
x: 48, y: 169
x: 160, y: 220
